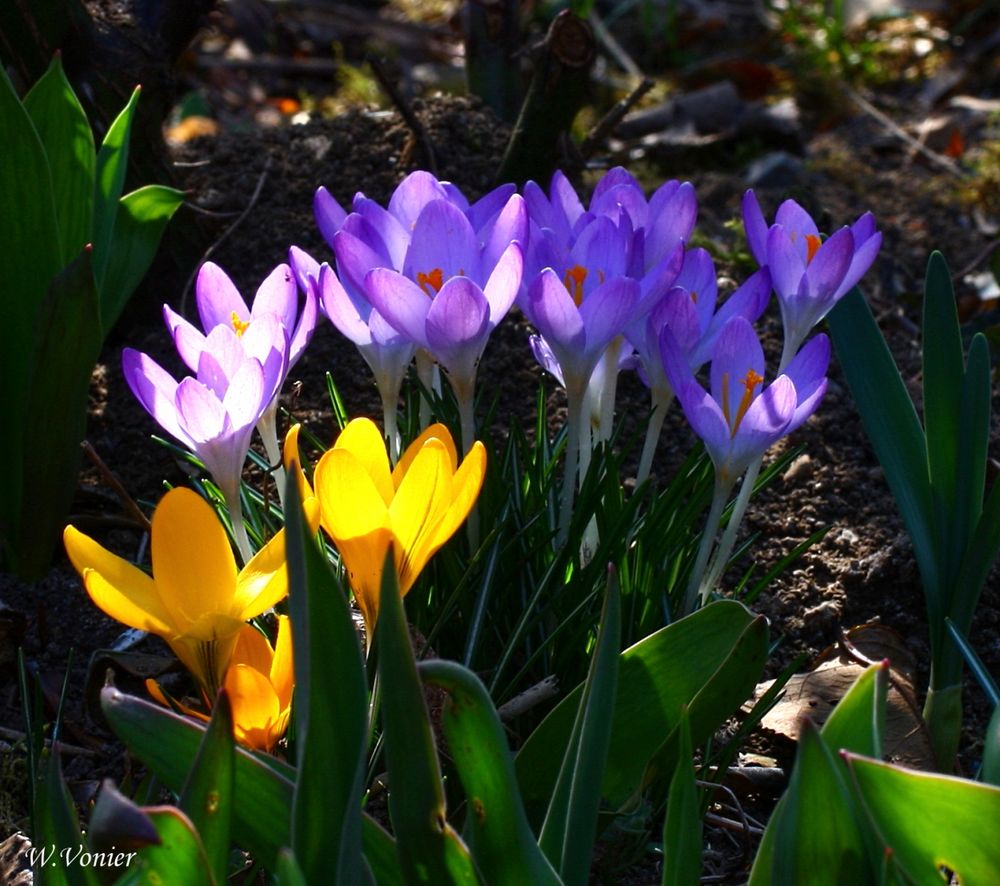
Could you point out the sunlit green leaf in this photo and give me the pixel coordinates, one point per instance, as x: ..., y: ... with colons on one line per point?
x: 682, y: 837
x: 179, y: 857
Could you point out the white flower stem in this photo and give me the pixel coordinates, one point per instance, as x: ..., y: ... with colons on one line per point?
x: 267, y: 427
x: 720, y: 496
x: 239, y: 527
x: 609, y: 390
x: 390, y: 423
x: 576, y: 394
x: 662, y: 399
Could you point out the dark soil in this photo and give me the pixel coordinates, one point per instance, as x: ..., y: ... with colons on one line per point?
x: 259, y: 184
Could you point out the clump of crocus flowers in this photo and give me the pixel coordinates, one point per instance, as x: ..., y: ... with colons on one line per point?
x: 607, y: 286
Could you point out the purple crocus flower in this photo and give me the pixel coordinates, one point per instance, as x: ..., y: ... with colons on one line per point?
x: 809, y: 275
x: 740, y: 418
x: 214, y: 413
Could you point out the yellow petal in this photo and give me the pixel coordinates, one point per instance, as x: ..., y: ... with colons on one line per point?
x: 207, y: 650
x: 437, y: 431
x: 153, y: 688
x: 463, y: 490
x: 255, y: 706
x: 252, y: 650
x: 262, y: 582
x: 363, y: 557
x: 193, y: 564
x: 364, y: 441
x: 282, y: 673
x: 120, y: 589
x: 294, y: 463
x: 420, y: 503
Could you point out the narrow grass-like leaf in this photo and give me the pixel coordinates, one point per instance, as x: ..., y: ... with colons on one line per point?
x: 990, y: 769
x: 932, y: 821
x: 656, y: 678
x: 682, y: 838
x: 893, y: 428
x: 139, y: 224
x: 497, y: 829
x: 429, y: 849
x: 975, y: 663
x: 65, y: 133
x: 112, y: 160
x: 331, y: 710
x: 60, y: 829
x: 207, y: 798
x: 567, y: 836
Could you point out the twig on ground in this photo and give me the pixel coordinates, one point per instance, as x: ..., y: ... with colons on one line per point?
x: 606, y: 125
x: 406, y: 112
x: 981, y: 256
x: 546, y: 689
x: 613, y: 47
x: 127, y: 501
x: 16, y: 735
x: 222, y: 237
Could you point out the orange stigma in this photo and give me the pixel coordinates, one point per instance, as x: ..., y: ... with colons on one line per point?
x: 812, y: 245
x: 434, y: 280
x: 750, y: 382
x: 574, y: 282
x: 238, y: 324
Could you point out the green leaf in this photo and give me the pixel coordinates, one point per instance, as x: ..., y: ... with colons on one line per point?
x: 65, y: 133
x: 429, y: 849
x: 179, y: 857
x: 892, y: 427
x: 112, y: 160
x: 331, y: 710
x: 139, y: 224
x: 497, y: 829
x: 929, y: 821
x: 682, y: 837
x: 857, y: 723
x: 117, y: 822
x: 59, y: 828
x: 990, y: 770
x: 817, y: 839
x: 30, y: 237
x: 289, y: 872
x: 567, y: 836
x: 693, y: 657
x: 68, y: 342
x: 207, y: 798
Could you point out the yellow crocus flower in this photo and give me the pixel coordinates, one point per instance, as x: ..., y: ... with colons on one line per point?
x: 259, y: 683
x: 196, y: 599
x: 367, y: 507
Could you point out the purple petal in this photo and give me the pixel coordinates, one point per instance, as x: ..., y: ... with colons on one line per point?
x: 748, y: 301
x: 671, y: 223
x: 381, y: 230
x: 488, y: 207
x: 829, y: 265
x: 546, y: 359
x: 793, y: 218
x: 458, y: 326
x: 341, y: 309
x: 355, y: 258
x: 553, y: 312
x: 511, y: 225
x: 411, y: 196
x: 443, y: 240
x: 156, y: 390
x: 737, y: 354
x: 227, y: 352
x: 305, y: 328
x: 661, y: 278
x: 565, y: 200
x: 304, y: 267
x: 786, y: 264
x: 764, y: 423
x: 606, y: 311
x: 217, y: 298
x: 504, y: 283
x: 807, y: 372
x: 202, y: 412
x: 248, y: 394
x: 278, y: 295
x: 188, y: 339
x: 615, y: 177
x: 400, y: 301
x: 755, y: 227
x: 864, y: 257
x: 329, y: 214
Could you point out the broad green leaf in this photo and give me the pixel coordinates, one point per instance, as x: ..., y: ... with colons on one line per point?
x: 817, y: 838
x: 118, y: 821
x: 262, y: 786
x: 207, y: 798
x: 68, y: 343
x: 139, y: 224
x: 943, y: 371
x: 178, y: 858
x: 984, y: 546
x: 112, y: 160
x: 657, y: 677
x: 857, y: 723
x: 331, y: 710
x: 892, y: 426
x: 429, y: 849
x: 682, y: 837
x: 289, y: 872
x: 567, y: 835
x: 497, y: 830
x: 30, y: 236
x: 59, y: 828
x: 931, y: 821
x: 65, y: 133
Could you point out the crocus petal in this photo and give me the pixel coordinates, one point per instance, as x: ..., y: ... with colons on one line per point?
x: 329, y: 214
x: 807, y: 372
x: 737, y: 353
x: 671, y: 224
x: 411, y: 196
x: 765, y: 422
x: 252, y: 650
x: 156, y: 390
x: 784, y: 261
x: 255, y: 706
x: 365, y: 442
x: 278, y: 294
x: 437, y: 431
x: 755, y: 227
x: 606, y: 311
x: 218, y: 299
x: 356, y: 256
x: 204, y: 578
x: 510, y: 225
x: 118, y: 588
x: 381, y: 230
x: 458, y: 327
x: 263, y: 582
x: 443, y: 240
x: 282, y: 672
x: 504, y: 282
x: 749, y: 301
x: 487, y: 209
x: 341, y: 309
x: 864, y: 256
x: 794, y: 219
x: 188, y: 339
x: 247, y: 395
x: 400, y: 301
x: 830, y: 263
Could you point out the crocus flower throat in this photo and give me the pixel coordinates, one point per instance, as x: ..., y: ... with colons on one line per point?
x: 750, y: 382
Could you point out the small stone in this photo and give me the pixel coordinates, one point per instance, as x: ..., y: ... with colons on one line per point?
x: 801, y: 468
x: 846, y: 537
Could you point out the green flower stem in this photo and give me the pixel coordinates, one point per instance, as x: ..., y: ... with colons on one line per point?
x: 943, y: 716
x: 576, y: 426
x: 662, y: 399
x: 239, y: 527
x: 720, y: 496
x: 267, y: 427
x: 427, y: 376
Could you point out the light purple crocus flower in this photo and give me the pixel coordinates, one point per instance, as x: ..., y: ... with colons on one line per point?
x: 219, y: 303
x: 740, y: 417
x: 809, y: 275
x: 214, y: 413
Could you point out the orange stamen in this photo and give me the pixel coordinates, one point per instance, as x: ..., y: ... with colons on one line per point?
x: 574, y: 282
x: 239, y: 325
x: 813, y: 243
x: 750, y: 381
x: 434, y: 280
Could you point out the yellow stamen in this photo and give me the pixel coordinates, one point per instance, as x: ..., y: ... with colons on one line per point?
x: 813, y: 243
x: 574, y: 282
x: 750, y: 381
x: 434, y: 279
x: 239, y: 325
